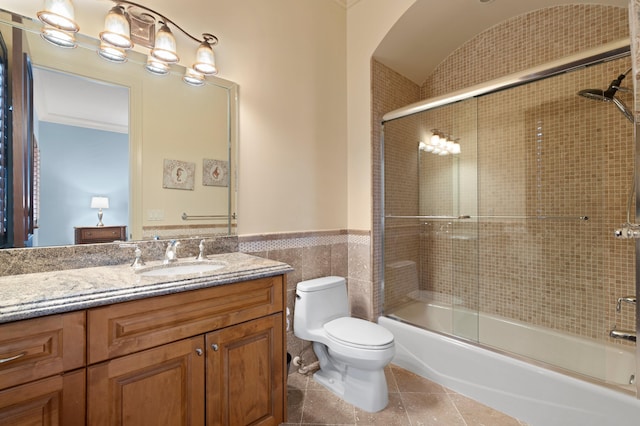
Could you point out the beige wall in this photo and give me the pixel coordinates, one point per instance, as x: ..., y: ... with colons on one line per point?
x: 367, y: 22
x: 289, y: 59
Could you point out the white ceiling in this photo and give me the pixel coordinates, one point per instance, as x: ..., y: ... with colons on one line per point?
x: 71, y: 100
x: 430, y: 30
x: 423, y: 37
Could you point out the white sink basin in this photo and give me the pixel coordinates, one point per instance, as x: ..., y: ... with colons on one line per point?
x: 177, y: 269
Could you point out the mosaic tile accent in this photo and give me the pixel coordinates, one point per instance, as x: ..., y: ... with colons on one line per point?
x: 283, y: 243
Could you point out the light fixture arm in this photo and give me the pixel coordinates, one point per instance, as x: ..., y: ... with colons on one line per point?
x: 206, y: 37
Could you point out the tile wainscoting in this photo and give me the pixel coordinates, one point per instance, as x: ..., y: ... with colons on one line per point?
x: 345, y: 253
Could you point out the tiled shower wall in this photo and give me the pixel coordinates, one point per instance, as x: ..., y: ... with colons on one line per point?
x: 542, y: 151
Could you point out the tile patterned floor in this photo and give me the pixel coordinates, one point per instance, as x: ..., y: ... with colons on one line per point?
x: 413, y: 401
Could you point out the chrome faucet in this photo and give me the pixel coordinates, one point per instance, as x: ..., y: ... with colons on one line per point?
x: 171, y: 254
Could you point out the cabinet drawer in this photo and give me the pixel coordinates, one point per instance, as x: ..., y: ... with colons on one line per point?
x: 54, y: 401
x: 100, y: 234
x: 129, y: 327
x: 41, y: 347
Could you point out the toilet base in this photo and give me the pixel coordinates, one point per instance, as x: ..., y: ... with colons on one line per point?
x: 365, y: 389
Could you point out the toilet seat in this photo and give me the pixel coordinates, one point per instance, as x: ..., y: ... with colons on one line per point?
x: 358, y: 333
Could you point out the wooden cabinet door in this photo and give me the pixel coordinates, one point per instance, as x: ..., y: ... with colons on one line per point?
x: 41, y: 347
x: 245, y: 382
x: 160, y: 386
x: 55, y: 401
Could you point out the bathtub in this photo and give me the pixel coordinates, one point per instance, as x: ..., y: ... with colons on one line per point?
x: 527, y: 391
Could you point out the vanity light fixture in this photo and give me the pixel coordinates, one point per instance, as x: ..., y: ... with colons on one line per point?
x: 440, y: 144
x: 116, y: 29
x: 125, y: 24
x: 100, y: 203
x: 60, y: 25
x: 193, y: 77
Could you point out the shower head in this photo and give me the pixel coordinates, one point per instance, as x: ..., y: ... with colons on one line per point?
x: 609, y: 95
x: 595, y: 94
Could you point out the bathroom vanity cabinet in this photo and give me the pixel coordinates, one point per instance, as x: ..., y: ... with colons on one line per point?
x: 211, y: 356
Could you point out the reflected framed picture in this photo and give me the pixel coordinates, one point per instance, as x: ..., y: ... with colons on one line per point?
x: 178, y: 174
x: 215, y: 172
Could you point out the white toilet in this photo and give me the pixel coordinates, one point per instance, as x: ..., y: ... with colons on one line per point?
x: 352, y: 352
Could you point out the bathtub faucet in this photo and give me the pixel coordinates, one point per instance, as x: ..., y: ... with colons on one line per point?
x: 623, y: 334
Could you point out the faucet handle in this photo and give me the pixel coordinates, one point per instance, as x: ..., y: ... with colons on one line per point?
x: 201, y: 255
x: 138, y: 262
x: 625, y: 299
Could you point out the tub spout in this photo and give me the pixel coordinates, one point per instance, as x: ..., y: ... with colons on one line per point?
x: 623, y: 334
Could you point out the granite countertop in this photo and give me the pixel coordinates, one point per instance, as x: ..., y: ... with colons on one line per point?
x: 33, y: 295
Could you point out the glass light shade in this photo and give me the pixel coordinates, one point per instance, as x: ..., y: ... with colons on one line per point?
x: 58, y: 37
x: 116, y: 29
x: 205, y: 60
x: 435, y: 139
x: 112, y: 53
x: 165, y: 47
x: 99, y: 202
x: 59, y: 14
x: 456, y: 148
x: 156, y: 67
x: 193, y: 77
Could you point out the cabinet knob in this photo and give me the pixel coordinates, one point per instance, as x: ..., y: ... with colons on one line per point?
x: 215, y: 347
x: 199, y: 351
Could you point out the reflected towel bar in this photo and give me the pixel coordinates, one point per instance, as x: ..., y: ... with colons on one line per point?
x: 205, y: 217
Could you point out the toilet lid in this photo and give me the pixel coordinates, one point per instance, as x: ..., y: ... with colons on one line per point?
x: 358, y: 332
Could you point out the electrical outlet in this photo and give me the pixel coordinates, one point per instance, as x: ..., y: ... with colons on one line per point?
x: 155, y: 214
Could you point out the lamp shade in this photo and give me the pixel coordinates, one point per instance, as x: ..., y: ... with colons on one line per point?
x: 59, y: 14
x: 205, y: 60
x: 165, y: 47
x: 112, y: 53
x: 58, y: 37
x: 193, y: 78
x: 156, y: 67
x: 99, y: 202
x: 116, y: 29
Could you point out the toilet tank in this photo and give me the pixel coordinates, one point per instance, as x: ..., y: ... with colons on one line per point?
x: 319, y: 301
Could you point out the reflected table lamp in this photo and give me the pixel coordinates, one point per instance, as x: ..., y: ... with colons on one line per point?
x: 99, y: 203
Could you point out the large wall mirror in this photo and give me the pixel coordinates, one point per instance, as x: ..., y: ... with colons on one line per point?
x: 162, y: 152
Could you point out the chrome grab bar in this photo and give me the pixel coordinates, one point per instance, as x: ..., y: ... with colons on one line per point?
x: 444, y: 217
x: 205, y: 217
x: 625, y: 299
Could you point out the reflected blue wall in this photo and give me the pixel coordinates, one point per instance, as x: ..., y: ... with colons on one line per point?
x: 75, y: 164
